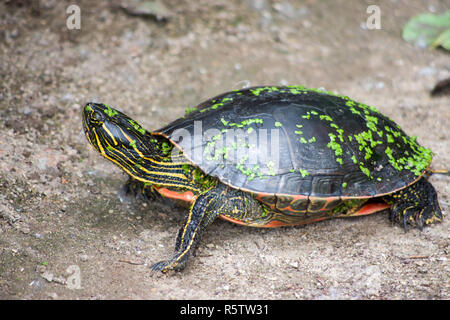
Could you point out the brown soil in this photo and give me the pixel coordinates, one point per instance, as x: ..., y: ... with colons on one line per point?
x: 61, y: 210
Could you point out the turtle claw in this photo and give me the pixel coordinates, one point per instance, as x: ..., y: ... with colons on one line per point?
x: 140, y: 190
x: 416, y: 205
x: 403, y: 214
x: 167, y: 265
x: 160, y: 266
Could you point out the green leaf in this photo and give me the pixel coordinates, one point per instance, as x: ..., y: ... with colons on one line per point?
x: 443, y: 40
x: 428, y: 30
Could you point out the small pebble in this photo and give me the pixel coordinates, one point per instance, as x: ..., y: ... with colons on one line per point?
x: 47, y: 276
x: 84, y: 257
x: 40, y: 268
x: 53, y: 295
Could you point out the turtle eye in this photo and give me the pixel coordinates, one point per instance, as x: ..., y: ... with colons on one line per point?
x: 96, y: 118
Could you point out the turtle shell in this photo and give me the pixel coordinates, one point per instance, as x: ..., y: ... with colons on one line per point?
x: 300, y: 142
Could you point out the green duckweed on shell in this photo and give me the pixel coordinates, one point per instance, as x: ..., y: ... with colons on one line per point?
x: 373, y: 137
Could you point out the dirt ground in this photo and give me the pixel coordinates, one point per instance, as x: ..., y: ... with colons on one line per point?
x: 66, y: 230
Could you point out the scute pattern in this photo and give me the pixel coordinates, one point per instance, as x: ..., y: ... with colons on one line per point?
x: 329, y: 145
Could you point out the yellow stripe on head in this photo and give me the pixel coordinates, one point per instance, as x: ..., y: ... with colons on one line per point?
x: 100, y: 147
x: 110, y: 134
x: 132, y: 143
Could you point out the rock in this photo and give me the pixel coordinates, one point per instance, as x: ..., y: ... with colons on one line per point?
x: 286, y: 9
x: 47, y: 276
x: 53, y: 295
x: 84, y: 257
x: 152, y: 9
x: 60, y: 280
x: 40, y: 268
x: 259, y: 5
x: 426, y: 71
x: 8, y: 214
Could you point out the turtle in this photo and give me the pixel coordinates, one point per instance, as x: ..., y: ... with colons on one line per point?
x: 270, y: 156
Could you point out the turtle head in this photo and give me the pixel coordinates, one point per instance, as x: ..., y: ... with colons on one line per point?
x: 116, y: 136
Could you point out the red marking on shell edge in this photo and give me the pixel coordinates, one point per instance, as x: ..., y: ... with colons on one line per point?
x: 226, y: 218
x: 271, y: 224
x: 371, y: 208
x: 183, y: 196
x: 276, y: 223
x: 260, y: 195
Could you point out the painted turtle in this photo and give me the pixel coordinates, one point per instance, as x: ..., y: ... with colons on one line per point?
x: 270, y: 157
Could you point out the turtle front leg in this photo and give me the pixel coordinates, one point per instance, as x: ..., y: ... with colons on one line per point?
x: 220, y: 200
x: 416, y: 204
x: 203, y: 210
x: 141, y: 190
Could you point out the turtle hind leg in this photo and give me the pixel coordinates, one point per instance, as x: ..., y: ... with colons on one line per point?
x: 416, y: 204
